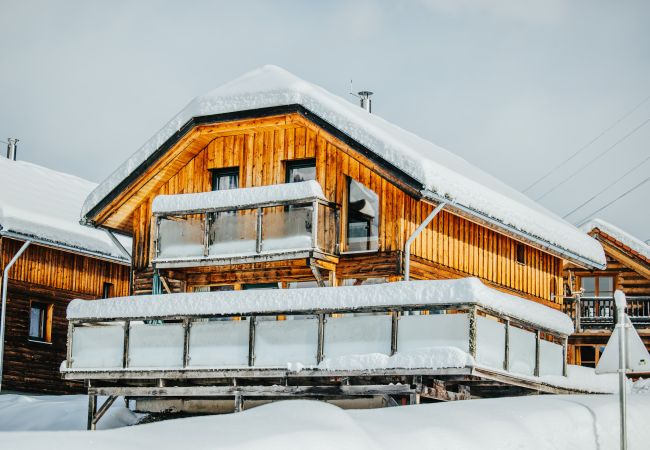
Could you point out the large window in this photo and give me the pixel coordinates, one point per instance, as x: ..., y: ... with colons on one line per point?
x: 363, y: 218
x: 301, y: 170
x: 597, y: 286
x: 40, y: 322
x: 224, y: 179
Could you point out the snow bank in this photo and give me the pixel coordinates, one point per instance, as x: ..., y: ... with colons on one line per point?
x: 238, y: 198
x: 44, y: 204
x: 439, y: 170
x: 533, y: 423
x: 616, y: 233
x: 430, y: 292
x: 56, y: 413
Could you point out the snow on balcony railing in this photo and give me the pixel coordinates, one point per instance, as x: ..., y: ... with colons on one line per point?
x: 379, y: 323
x: 242, y: 223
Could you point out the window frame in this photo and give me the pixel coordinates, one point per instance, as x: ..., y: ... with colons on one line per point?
x: 45, y: 327
x: 298, y: 164
x: 108, y: 290
x: 348, y: 216
x: 221, y: 172
x: 520, y: 258
x: 597, y: 277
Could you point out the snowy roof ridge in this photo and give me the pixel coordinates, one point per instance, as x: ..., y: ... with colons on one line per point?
x: 625, y: 238
x: 437, y: 169
x: 43, y: 204
x: 238, y: 198
x: 453, y: 291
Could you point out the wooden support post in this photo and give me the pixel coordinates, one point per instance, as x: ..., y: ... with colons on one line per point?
x: 125, y: 351
x: 187, y: 324
x: 206, y: 235
x: 258, y: 236
x: 239, y: 401
x: 102, y: 410
x: 393, y: 331
x: 68, y: 357
x: 472, y: 331
x: 251, y: 341
x: 565, y: 355
x: 506, y: 355
x: 337, y: 231
x: 316, y: 271
x: 92, y: 408
x: 537, y: 351
x: 578, y: 313
x: 320, y: 351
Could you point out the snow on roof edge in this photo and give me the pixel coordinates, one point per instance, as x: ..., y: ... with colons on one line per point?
x: 437, y: 169
x: 462, y: 290
x: 618, y: 234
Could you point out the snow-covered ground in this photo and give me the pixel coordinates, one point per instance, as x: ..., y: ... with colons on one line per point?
x: 537, y: 422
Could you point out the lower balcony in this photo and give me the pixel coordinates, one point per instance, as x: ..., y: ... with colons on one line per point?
x: 269, y: 223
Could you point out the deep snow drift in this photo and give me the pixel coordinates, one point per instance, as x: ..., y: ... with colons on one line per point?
x: 538, y: 422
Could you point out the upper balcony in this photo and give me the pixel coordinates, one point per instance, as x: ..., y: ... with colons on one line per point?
x: 268, y: 223
x: 593, y: 313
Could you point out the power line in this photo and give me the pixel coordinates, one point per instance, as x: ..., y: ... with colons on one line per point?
x: 576, y: 153
x: 607, y: 187
x: 616, y: 199
x: 600, y: 155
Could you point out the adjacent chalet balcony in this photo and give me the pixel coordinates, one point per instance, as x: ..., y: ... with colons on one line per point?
x: 600, y: 312
x: 285, y: 221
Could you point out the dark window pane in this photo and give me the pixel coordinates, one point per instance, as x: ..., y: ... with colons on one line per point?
x: 605, y: 286
x: 37, y: 321
x: 261, y: 286
x: 298, y: 171
x: 363, y: 217
x: 225, y: 179
x: 589, y: 286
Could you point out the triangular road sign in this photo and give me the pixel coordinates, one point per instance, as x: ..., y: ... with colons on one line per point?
x: 638, y: 358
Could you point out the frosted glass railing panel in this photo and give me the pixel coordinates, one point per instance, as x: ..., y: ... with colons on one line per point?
x: 233, y: 233
x: 98, y: 347
x: 156, y: 345
x: 219, y: 344
x: 181, y: 238
x: 551, y: 358
x: 287, y: 229
x: 434, y: 330
x: 286, y: 341
x: 522, y: 351
x: 490, y: 342
x: 357, y: 335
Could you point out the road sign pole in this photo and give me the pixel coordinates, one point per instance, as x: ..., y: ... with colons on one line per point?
x: 622, y: 364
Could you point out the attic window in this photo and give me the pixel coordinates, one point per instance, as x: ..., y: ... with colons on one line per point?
x: 521, y: 254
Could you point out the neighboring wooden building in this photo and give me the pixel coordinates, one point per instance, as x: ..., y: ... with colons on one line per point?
x: 64, y: 261
x: 379, y: 181
x: 591, y: 292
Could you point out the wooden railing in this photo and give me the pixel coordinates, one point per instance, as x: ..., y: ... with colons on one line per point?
x: 600, y: 312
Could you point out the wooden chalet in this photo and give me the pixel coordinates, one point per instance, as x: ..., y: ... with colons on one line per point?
x: 63, y: 260
x: 270, y: 182
x: 590, y: 293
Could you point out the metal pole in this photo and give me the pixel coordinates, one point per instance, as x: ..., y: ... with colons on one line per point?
x: 119, y: 245
x: 409, y: 241
x: 5, y: 282
x: 622, y: 363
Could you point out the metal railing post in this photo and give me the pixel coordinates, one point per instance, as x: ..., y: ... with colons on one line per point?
x: 506, y: 350
x: 125, y: 350
x: 393, y: 331
x: 416, y: 233
x: 537, y: 352
x: 258, y: 235
x: 320, y: 350
x: 251, y: 341
x: 472, y: 331
x: 578, y: 311
x: 314, y: 225
x: 3, y: 314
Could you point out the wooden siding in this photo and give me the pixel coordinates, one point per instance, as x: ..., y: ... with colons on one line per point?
x: 51, y: 277
x: 261, y: 154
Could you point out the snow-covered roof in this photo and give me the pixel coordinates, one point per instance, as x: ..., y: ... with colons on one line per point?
x: 43, y: 204
x: 428, y: 292
x: 621, y: 236
x: 238, y: 198
x: 438, y: 170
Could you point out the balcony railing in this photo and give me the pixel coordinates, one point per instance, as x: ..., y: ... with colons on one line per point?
x: 600, y: 312
x: 269, y: 230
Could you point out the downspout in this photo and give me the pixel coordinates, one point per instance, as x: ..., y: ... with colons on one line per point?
x: 5, y: 282
x: 416, y: 233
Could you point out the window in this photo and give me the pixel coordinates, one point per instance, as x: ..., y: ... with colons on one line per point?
x: 40, y: 322
x: 363, y: 218
x: 251, y: 286
x: 224, y: 179
x: 521, y: 254
x: 597, y: 286
x: 107, y: 290
x: 301, y: 170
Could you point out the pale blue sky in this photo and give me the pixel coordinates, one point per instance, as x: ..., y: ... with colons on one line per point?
x: 514, y: 86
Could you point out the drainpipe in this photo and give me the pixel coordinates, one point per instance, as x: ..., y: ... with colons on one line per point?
x: 5, y: 282
x: 409, y: 241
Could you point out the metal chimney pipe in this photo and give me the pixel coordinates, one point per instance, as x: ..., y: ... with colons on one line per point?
x: 11, y: 148
x: 365, y: 101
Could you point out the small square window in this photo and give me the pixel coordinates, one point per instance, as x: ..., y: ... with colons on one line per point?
x: 225, y: 179
x: 301, y: 170
x: 40, y: 322
x: 521, y: 254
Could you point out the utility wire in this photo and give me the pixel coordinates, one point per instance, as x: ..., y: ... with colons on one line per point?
x: 600, y: 155
x: 616, y: 199
x: 576, y: 153
x: 607, y: 187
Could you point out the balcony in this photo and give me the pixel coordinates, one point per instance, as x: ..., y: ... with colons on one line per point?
x: 599, y: 313
x: 269, y: 223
